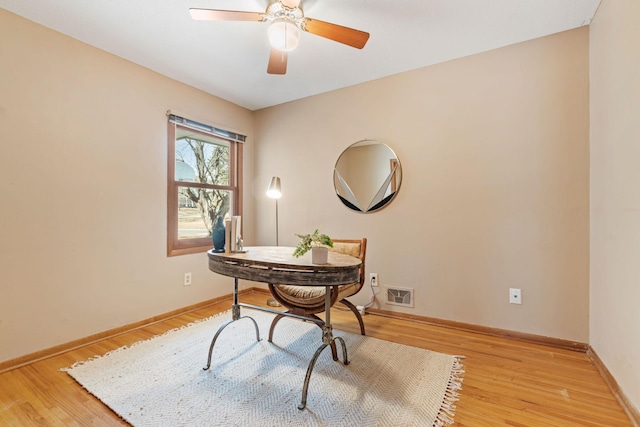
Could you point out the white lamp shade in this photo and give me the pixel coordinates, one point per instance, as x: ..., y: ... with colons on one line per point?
x: 283, y: 35
x: 274, y: 188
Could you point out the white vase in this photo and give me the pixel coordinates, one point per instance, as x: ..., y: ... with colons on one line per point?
x: 319, y: 254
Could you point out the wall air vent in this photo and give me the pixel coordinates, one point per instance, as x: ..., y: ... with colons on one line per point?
x: 399, y: 296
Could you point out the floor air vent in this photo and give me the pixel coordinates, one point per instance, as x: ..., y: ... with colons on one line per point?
x: 400, y: 296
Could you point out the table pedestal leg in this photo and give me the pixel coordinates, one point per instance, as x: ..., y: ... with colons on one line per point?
x: 235, y: 315
x: 327, y: 340
x: 312, y: 363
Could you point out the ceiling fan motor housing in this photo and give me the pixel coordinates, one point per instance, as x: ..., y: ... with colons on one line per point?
x: 279, y: 11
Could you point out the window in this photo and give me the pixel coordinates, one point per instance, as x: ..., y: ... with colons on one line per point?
x: 204, y: 183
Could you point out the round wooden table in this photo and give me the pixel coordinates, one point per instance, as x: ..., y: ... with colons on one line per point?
x: 276, y: 264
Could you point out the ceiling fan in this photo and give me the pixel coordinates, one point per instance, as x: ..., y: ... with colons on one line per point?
x: 287, y: 19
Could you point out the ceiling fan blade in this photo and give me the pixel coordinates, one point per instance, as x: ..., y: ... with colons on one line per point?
x: 292, y: 4
x: 277, y: 62
x: 225, y: 15
x: 338, y: 33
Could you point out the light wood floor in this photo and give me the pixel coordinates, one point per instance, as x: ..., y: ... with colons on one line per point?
x: 506, y: 382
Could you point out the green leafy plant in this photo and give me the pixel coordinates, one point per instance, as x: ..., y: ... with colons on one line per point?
x: 307, y: 241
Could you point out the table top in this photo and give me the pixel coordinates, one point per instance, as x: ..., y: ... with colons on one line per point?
x: 276, y: 264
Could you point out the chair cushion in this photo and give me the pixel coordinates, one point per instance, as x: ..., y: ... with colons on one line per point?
x: 311, y: 296
x: 347, y: 248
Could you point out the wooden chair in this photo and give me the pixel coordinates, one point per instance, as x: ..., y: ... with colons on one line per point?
x: 307, y: 301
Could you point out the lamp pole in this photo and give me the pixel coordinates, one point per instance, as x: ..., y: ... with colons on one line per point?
x: 274, y: 192
x: 277, y: 244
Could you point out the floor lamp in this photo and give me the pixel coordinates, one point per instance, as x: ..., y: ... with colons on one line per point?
x: 274, y: 193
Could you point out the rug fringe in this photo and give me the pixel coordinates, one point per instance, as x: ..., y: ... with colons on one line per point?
x: 451, y: 395
x: 124, y: 347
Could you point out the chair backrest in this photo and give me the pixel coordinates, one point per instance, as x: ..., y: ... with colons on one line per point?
x: 354, y: 247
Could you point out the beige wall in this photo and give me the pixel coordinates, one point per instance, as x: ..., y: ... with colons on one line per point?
x: 83, y: 162
x: 495, y: 193
x: 615, y: 191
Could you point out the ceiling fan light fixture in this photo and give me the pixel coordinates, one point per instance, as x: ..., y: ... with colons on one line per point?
x: 284, y: 35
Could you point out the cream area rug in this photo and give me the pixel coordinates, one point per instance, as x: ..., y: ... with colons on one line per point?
x: 160, y: 381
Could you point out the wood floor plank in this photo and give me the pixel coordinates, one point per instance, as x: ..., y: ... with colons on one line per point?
x: 506, y: 382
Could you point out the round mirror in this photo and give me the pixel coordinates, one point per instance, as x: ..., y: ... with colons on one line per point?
x: 367, y: 176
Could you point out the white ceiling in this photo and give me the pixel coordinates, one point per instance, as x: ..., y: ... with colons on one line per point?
x: 229, y: 59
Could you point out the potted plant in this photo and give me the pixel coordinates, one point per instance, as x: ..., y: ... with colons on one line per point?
x: 317, y: 243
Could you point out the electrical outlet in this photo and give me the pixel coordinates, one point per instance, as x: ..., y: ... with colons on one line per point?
x: 515, y: 296
x: 187, y: 279
x: 373, y: 279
